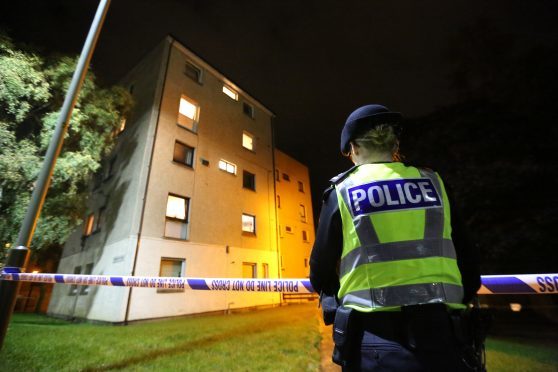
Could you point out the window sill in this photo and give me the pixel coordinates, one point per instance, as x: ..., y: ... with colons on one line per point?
x: 176, y: 239
x: 184, y: 165
x: 249, y: 234
x: 193, y: 130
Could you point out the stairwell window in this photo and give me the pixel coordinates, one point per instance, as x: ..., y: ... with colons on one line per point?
x: 302, y: 212
x: 176, y: 218
x: 188, y: 114
x: 89, y: 223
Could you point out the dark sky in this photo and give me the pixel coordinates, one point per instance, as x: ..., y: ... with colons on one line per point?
x: 310, y: 62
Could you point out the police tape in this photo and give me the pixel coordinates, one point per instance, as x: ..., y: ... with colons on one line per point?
x: 205, y: 284
x: 519, y: 284
x: 491, y: 284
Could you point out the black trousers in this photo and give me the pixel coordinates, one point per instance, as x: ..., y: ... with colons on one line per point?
x: 419, y: 338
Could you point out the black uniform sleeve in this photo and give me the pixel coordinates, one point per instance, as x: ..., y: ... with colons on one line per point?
x: 326, y: 253
x: 467, y: 252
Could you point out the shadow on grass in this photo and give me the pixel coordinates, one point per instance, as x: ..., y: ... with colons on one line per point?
x: 184, y: 347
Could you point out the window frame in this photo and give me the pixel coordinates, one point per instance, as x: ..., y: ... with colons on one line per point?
x: 193, y: 66
x: 182, y: 273
x: 195, y: 120
x: 184, y: 163
x: 89, y: 224
x: 185, y: 221
x: 252, y: 138
x: 227, y: 163
x: 246, y: 232
x: 230, y: 92
x: 250, y: 112
x: 244, y: 174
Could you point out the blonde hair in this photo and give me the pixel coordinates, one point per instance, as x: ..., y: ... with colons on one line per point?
x: 381, y: 138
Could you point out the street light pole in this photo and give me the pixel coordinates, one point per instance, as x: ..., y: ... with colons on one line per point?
x: 18, y: 257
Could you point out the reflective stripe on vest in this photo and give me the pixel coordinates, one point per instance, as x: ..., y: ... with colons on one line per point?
x: 372, y: 251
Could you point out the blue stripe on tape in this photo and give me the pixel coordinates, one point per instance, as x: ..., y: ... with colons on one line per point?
x: 15, y: 276
x: 117, y: 281
x: 507, y: 284
x: 59, y: 278
x: 11, y: 270
x: 198, y: 284
x: 307, y: 285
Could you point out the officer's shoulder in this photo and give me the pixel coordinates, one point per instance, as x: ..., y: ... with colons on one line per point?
x: 341, y: 176
x: 335, y: 181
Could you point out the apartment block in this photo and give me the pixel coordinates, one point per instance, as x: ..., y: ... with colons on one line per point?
x: 190, y: 190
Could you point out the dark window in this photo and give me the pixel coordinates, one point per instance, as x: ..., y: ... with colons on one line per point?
x: 300, y: 186
x: 193, y: 72
x: 277, y: 178
x: 248, y: 109
x: 248, y: 180
x: 288, y: 229
x: 73, y: 287
x: 183, y: 154
x: 286, y: 177
x: 88, y: 270
x: 278, y: 201
x: 109, y: 168
x: 100, y: 221
x: 304, y: 235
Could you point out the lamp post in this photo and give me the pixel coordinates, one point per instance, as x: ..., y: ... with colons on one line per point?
x: 18, y: 257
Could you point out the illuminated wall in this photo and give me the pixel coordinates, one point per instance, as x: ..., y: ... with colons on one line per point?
x: 295, y: 216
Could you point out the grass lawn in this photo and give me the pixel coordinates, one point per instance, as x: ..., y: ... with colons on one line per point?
x: 519, y: 355
x: 278, y: 339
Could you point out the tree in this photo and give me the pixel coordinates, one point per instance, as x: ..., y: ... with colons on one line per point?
x: 32, y: 90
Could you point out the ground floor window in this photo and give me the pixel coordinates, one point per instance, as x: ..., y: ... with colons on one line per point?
x: 172, y: 267
x: 249, y: 270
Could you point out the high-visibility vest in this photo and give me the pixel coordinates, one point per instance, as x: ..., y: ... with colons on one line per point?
x: 397, y: 247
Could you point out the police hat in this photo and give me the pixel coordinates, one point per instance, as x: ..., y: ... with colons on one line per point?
x: 363, y: 118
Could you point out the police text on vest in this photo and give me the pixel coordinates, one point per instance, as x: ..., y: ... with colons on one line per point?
x: 391, y: 195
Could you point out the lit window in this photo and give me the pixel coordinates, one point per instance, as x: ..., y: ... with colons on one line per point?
x: 176, y: 223
x: 248, y: 109
x: 300, y: 186
x: 265, y: 270
x: 89, y: 223
x: 88, y: 271
x: 304, y: 236
x: 230, y: 92
x: 249, y: 270
x: 74, y: 287
x: 302, y: 211
x: 286, y: 177
x: 193, y: 72
x: 248, y: 141
x: 249, y: 180
x: 122, y: 125
x: 188, y: 113
x: 183, y: 154
x: 171, y: 268
x: 227, y: 167
x: 248, y: 223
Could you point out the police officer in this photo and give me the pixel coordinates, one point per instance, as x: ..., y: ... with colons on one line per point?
x: 386, y: 250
